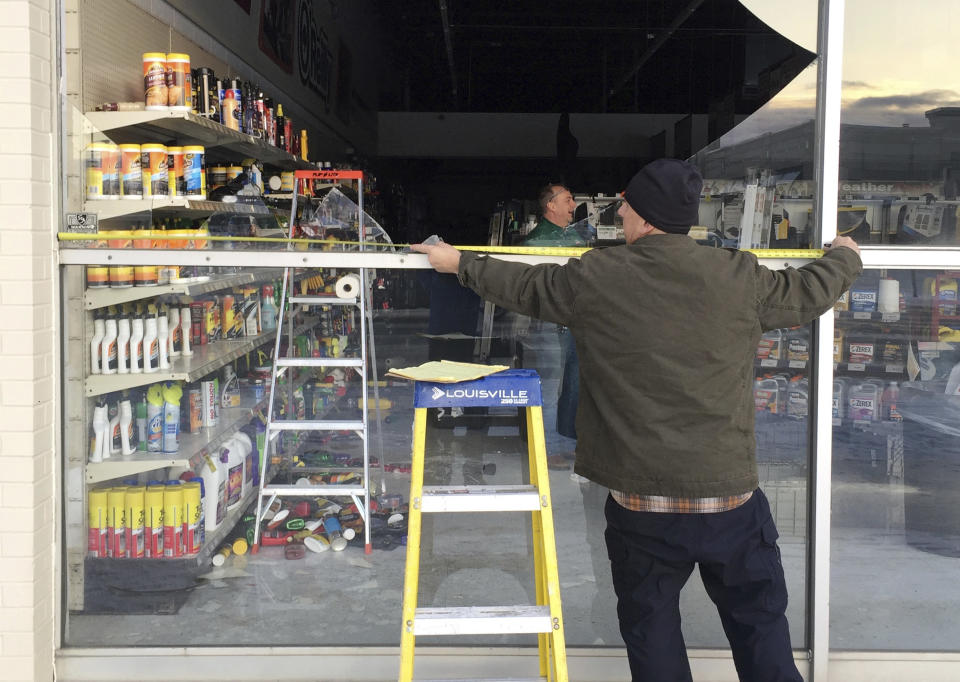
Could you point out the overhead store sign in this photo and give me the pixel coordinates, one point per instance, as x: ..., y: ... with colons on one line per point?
x: 296, y: 48
x: 315, y: 58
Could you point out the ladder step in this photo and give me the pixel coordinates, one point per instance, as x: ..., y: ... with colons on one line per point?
x: 322, y: 300
x: 308, y: 490
x: 320, y: 362
x: 306, y: 425
x: 449, y: 498
x: 491, y: 679
x: 482, y: 620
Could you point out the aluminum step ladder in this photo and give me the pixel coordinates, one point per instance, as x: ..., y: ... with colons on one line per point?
x: 358, y: 492
x: 519, y: 388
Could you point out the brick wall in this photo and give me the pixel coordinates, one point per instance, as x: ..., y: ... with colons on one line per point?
x: 28, y: 180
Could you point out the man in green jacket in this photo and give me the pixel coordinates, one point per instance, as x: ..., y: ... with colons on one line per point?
x: 556, y: 207
x: 666, y: 332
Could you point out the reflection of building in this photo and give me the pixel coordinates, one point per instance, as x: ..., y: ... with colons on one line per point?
x: 866, y: 152
x: 897, y: 185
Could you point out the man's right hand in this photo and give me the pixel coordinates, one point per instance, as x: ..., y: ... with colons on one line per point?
x: 442, y: 256
x: 846, y: 242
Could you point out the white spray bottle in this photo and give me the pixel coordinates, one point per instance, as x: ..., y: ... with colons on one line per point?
x: 123, y: 345
x: 136, y: 343
x: 112, y: 446
x: 163, y: 338
x: 101, y: 425
x: 151, y: 349
x: 174, y: 344
x: 108, y: 347
x: 186, y: 328
x: 126, y: 428
x: 99, y: 330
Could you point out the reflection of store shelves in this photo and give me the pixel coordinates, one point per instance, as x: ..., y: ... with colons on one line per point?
x: 880, y: 425
x: 187, y: 128
x: 205, y: 359
x: 181, y: 206
x: 769, y: 363
x: 874, y: 316
x: 100, y: 298
x: 870, y: 367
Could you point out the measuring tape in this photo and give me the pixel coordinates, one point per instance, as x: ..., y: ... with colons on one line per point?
x: 567, y: 251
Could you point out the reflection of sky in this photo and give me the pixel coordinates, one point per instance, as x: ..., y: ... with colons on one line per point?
x: 900, y: 59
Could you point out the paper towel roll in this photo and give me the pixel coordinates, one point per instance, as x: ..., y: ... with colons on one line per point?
x: 348, y: 286
x: 888, y: 298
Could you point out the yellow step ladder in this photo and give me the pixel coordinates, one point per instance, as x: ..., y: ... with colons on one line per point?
x: 519, y: 388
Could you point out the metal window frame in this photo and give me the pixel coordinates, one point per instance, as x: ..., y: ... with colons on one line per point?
x: 172, y: 662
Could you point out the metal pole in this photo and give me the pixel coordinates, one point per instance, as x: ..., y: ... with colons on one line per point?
x: 826, y: 169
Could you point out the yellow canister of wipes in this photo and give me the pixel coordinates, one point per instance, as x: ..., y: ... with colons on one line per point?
x: 153, y: 522
x: 116, y: 523
x: 192, y: 509
x: 135, y: 521
x: 97, y: 524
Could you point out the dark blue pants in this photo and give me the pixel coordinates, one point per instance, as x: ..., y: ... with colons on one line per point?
x: 569, y: 386
x: 651, y: 557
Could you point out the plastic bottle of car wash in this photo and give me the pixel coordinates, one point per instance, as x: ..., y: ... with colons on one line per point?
x: 212, y: 491
x: 108, y: 347
x: 151, y: 348
x: 268, y: 310
x: 101, y: 426
x: 123, y: 345
x: 99, y: 330
x: 114, y: 440
x: 136, y: 344
x: 126, y: 428
x: 231, y: 455
x: 174, y: 343
x: 163, y: 338
x: 186, y: 328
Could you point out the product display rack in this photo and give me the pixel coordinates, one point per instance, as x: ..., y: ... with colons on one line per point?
x: 205, y: 359
x: 179, y: 206
x: 101, y: 298
x: 188, y: 128
x: 93, y: 580
x: 192, y: 445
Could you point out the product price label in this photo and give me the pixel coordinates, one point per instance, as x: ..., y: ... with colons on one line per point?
x: 798, y: 364
x: 81, y: 223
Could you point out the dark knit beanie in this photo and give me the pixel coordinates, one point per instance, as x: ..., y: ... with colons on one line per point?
x: 666, y: 193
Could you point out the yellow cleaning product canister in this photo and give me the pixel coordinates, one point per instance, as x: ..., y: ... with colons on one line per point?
x: 116, y: 523
x: 192, y: 513
x: 135, y: 521
x: 173, y: 521
x: 97, y: 533
x: 153, y: 521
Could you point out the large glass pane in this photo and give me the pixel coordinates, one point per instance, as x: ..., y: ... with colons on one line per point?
x: 896, y: 472
x: 900, y: 125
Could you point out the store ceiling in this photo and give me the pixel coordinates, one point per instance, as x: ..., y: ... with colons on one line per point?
x: 551, y: 56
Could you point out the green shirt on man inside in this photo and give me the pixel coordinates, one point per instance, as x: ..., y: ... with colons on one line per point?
x: 547, y: 233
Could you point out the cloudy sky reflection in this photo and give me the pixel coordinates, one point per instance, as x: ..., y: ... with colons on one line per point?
x: 900, y: 60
